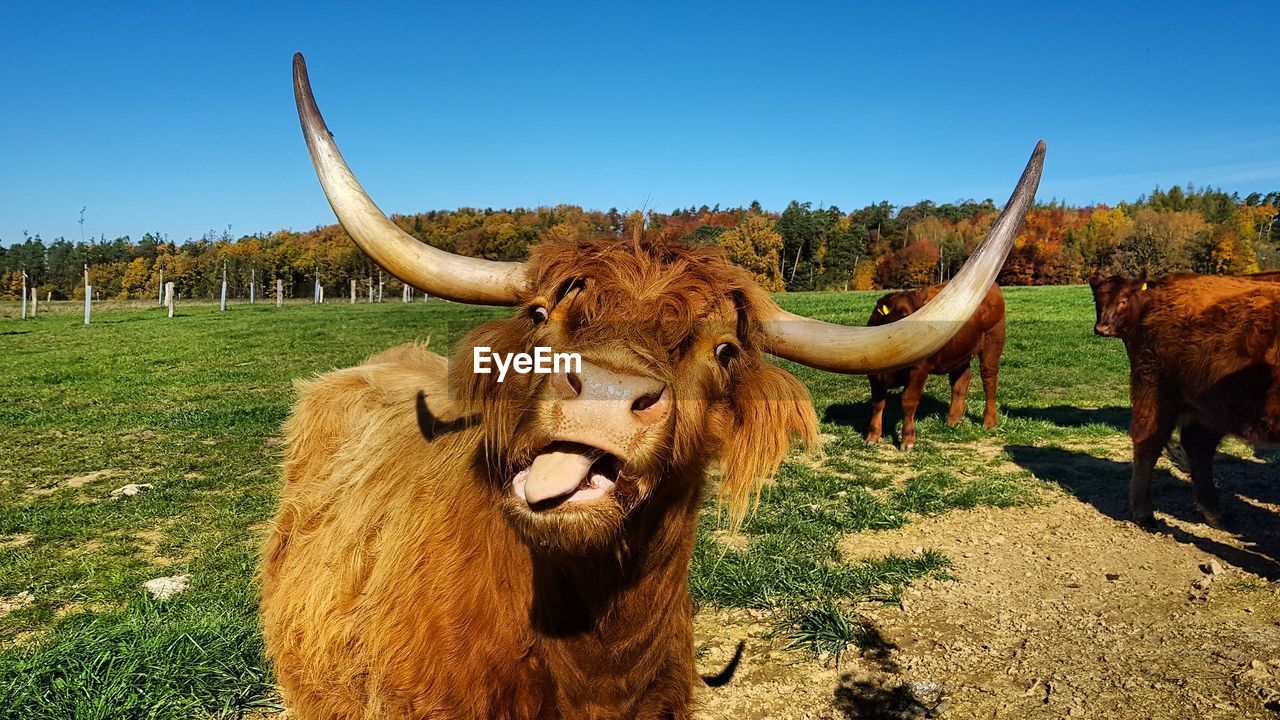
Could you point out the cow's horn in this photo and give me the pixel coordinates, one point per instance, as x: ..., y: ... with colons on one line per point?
x: 839, y: 348
x: 464, y: 279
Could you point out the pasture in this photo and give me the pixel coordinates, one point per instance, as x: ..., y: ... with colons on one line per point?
x: 985, y: 574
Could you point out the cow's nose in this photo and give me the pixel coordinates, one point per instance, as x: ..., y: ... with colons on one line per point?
x: 1101, y: 329
x: 612, y: 400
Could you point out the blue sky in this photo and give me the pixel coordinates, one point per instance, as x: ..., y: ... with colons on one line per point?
x: 179, y: 118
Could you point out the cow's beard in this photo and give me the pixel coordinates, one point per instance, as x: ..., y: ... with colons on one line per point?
x: 594, y: 528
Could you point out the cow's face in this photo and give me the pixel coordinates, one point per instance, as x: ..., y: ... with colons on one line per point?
x: 672, y: 376
x: 1118, y: 303
x: 895, y: 306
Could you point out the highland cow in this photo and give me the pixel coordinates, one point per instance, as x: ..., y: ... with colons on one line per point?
x: 448, y: 546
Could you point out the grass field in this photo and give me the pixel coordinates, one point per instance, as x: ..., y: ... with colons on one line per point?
x: 193, y: 406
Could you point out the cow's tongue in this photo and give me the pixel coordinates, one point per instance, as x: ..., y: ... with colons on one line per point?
x: 555, y: 474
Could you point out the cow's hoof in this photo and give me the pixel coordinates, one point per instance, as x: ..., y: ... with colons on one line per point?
x: 1143, y: 518
x: 873, y: 439
x: 988, y: 424
x: 909, y: 446
x: 1213, y: 518
x: 953, y: 421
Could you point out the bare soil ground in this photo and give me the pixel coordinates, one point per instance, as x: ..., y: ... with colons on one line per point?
x: 1059, y: 610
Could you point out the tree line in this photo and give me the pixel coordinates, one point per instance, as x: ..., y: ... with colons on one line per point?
x: 801, y: 248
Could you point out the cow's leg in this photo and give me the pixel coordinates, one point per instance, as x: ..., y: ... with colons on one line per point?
x: 1152, y: 424
x: 959, y: 391
x: 989, y: 367
x: 879, y: 394
x: 910, y: 402
x: 1200, y: 444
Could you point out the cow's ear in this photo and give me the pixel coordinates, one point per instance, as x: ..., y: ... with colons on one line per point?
x: 771, y: 409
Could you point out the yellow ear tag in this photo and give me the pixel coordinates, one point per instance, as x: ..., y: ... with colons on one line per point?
x: 884, y: 309
x: 1144, y: 287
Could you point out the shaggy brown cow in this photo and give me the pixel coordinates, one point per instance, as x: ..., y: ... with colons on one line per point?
x: 982, y: 335
x: 452, y: 546
x: 1204, y: 355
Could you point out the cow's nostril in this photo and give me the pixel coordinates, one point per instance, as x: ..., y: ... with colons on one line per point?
x: 574, y: 383
x: 646, y: 401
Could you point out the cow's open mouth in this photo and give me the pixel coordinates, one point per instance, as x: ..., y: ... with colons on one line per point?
x: 566, y: 472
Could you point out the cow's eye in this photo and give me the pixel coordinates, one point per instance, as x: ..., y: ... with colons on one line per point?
x: 726, y: 352
x: 538, y: 314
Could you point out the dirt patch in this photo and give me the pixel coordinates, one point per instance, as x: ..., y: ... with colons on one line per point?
x: 84, y: 548
x: 141, y: 435
x: 13, y: 542
x: 1058, y: 611
x: 148, y: 542
x: 81, y: 480
x: 13, y: 603
x: 26, y: 638
x: 732, y: 540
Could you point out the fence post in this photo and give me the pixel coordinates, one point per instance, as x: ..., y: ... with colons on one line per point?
x: 224, y: 286
x: 35, y: 299
x: 353, y: 291
x: 279, y: 293
x: 321, y: 294
x: 252, y: 282
x: 379, y: 286
x: 370, y: 288
x: 160, y: 291
x: 168, y: 297
x: 404, y: 294
x: 24, y: 294
x: 88, y: 294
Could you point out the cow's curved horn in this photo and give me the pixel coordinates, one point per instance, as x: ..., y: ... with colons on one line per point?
x: 464, y: 279
x: 839, y: 348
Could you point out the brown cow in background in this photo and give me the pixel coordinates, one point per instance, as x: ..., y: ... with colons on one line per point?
x: 1204, y: 355
x: 983, y: 335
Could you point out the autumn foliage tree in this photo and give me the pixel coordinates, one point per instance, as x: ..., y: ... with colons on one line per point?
x: 801, y: 248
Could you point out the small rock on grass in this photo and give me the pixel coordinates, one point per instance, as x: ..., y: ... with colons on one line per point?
x: 130, y: 490
x: 166, y: 587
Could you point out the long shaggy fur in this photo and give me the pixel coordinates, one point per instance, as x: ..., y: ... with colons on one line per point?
x: 401, y: 579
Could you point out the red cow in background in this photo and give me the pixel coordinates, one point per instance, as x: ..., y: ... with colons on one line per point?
x: 982, y: 335
x: 1204, y: 355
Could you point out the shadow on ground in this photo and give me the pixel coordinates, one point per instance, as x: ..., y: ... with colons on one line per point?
x: 879, y: 694
x: 1244, y: 486
x: 722, y: 678
x: 1114, y: 416
x: 856, y: 415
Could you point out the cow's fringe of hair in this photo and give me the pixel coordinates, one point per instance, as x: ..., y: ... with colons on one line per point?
x: 777, y: 411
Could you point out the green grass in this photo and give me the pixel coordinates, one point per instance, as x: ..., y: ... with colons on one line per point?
x: 193, y: 406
